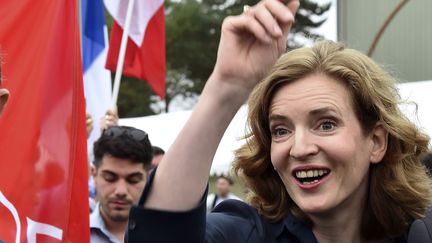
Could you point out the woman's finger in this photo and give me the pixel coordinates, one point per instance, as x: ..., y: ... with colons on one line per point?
x: 267, y: 20
x: 283, y: 13
x: 275, y: 17
x: 248, y: 23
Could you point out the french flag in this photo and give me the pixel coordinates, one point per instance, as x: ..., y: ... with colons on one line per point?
x: 145, y: 52
x: 97, y: 79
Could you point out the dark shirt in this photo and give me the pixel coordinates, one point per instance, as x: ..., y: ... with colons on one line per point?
x: 232, y: 221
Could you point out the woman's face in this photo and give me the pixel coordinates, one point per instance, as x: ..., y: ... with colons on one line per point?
x: 318, y: 147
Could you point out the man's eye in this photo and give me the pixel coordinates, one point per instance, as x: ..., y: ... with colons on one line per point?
x: 135, y: 179
x: 109, y: 177
x: 327, y: 126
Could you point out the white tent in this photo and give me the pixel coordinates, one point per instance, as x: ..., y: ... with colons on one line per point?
x: 163, y: 129
x: 421, y: 94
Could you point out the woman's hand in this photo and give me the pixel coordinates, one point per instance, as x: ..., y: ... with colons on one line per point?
x: 252, y: 42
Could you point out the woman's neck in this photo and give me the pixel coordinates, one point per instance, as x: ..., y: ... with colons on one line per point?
x: 342, y: 223
x: 338, y: 228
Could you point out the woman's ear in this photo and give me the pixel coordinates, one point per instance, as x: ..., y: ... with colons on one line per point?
x: 4, y: 95
x: 379, y: 137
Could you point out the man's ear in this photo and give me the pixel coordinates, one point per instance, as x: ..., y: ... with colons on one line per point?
x: 379, y: 136
x: 93, y: 170
x: 4, y: 96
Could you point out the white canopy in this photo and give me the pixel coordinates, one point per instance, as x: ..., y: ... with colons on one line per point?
x: 163, y: 129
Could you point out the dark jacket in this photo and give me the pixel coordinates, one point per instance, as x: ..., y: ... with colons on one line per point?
x: 232, y: 221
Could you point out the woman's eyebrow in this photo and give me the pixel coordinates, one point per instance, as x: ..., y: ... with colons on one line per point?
x: 324, y: 110
x: 277, y: 117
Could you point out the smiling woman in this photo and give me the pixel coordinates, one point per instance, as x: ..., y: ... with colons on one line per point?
x: 328, y: 158
x: 328, y: 141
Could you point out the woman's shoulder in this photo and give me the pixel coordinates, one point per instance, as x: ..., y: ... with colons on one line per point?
x: 235, y: 221
x: 237, y: 208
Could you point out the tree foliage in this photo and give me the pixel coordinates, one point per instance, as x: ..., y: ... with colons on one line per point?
x: 192, y: 38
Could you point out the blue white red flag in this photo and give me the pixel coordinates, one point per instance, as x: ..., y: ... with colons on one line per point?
x: 97, y: 79
x: 145, y: 52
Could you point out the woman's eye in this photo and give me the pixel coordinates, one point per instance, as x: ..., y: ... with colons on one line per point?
x: 279, y: 132
x: 327, y: 126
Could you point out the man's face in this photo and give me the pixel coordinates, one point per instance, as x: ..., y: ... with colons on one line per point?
x: 223, y: 187
x: 119, y: 184
x: 4, y: 95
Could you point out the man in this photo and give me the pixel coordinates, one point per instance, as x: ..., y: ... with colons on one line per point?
x: 110, y: 119
x: 223, y: 192
x: 158, y: 154
x: 4, y: 93
x: 427, y: 162
x: 123, y: 158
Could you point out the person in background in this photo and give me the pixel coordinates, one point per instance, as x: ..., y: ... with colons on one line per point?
x: 158, y: 154
x: 4, y: 93
x: 89, y: 124
x: 427, y: 162
x: 110, y: 119
x: 223, y: 192
x: 122, y: 161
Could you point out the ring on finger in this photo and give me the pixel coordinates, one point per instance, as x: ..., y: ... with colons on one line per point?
x: 246, y: 9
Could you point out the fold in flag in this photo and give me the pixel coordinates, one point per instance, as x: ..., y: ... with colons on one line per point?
x: 145, y: 52
x: 97, y: 79
x: 43, y: 160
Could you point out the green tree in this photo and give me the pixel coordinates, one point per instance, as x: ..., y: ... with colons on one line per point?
x: 192, y: 38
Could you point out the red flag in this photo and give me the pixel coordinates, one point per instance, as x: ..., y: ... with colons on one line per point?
x: 43, y: 164
x: 145, y: 52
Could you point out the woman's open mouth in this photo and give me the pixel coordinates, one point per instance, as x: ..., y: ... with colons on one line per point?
x: 309, y: 177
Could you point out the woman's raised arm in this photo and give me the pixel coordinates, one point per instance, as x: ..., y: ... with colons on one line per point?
x: 250, y: 44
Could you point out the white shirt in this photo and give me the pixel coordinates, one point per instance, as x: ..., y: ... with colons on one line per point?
x: 211, y: 198
x: 98, y: 230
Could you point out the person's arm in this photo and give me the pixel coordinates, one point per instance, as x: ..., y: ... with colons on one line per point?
x: 250, y: 45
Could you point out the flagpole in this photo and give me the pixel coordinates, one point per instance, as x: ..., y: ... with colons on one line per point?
x: 122, y: 53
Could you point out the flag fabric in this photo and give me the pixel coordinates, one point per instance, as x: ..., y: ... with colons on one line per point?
x: 145, y: 52
x: 43, y: 160
x: 97, y: 79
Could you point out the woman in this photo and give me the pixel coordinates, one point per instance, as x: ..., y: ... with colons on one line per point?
x: 329, y: 158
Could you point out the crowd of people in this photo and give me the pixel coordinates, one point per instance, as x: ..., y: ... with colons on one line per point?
x: 329, y: 157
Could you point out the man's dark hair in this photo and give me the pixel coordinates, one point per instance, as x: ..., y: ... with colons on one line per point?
x: 426, y: 159
x: 125, y: 143
x: 157, y: 151
x: 227, y: 178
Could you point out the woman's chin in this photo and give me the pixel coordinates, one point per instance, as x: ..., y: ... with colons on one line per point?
x: 314, y: 208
